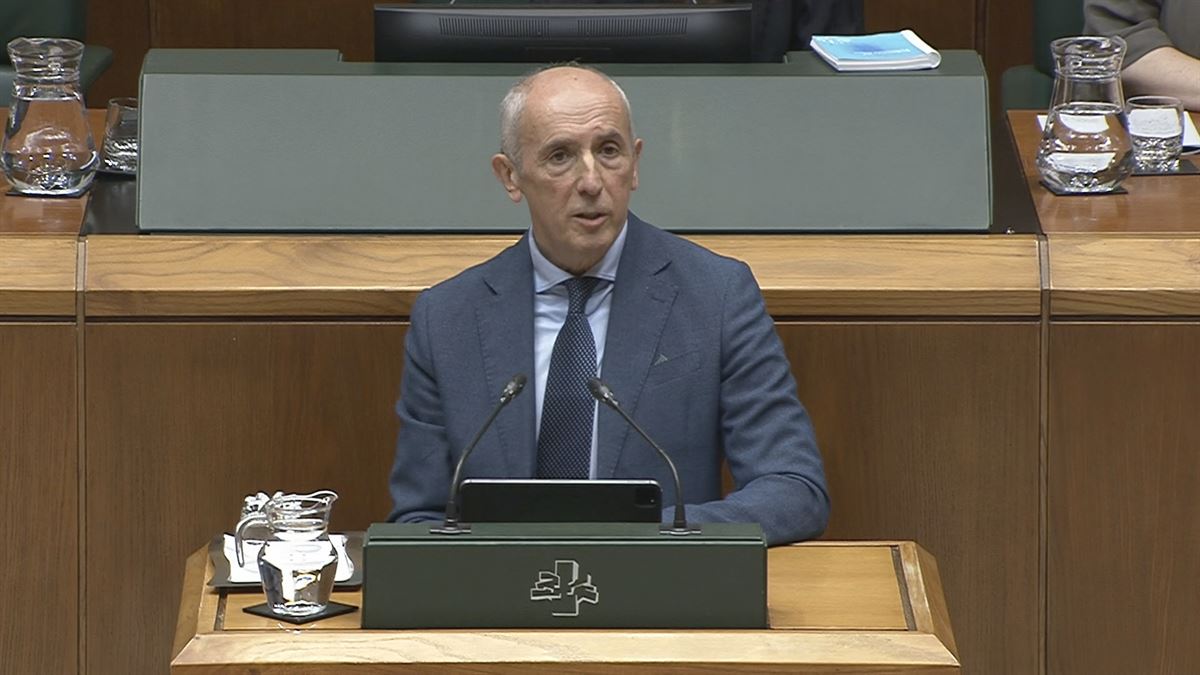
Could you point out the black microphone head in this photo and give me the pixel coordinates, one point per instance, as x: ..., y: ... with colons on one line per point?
x: 601, y: 392
x: 514, y: 387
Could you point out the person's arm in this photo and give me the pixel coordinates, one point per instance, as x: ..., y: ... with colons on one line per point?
x: 1165, y: 71
x: 420, y: 477
x: 1152, y: 63
x: 768, y: 439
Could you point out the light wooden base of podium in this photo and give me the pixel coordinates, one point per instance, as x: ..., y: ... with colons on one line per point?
x: 835, y: 607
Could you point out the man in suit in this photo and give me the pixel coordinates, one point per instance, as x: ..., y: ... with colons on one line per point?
x: 1163, y: 40
x: 680, y: 334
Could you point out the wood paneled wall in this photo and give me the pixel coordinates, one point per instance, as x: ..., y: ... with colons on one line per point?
x: 998, y: 30
x: 185, y: 419
x: 1122, y: 550
x: 954, y: 430
x: 124, y: 27
x: 944, y: 24
x: 201, y: 385
x: 39, y: 469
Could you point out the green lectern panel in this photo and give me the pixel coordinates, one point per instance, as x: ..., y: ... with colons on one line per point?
x: 271, y: 141
x: 564, y: 575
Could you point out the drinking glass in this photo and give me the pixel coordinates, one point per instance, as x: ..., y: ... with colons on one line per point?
x: 119, y: 152
x: 1156, y: 130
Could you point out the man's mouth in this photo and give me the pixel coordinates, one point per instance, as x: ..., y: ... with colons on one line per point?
x: 590, y: 217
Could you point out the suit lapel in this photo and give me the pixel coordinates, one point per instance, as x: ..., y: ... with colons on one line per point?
x: 641, y: 303
x: 505, y: 323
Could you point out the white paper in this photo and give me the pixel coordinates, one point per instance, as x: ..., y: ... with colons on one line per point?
x: 1191, y: 137
x: 248, y: 573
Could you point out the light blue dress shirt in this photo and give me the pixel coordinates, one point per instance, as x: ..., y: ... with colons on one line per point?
x: 550, y: 313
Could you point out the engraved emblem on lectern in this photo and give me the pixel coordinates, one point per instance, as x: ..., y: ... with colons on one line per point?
x: 563, y: 589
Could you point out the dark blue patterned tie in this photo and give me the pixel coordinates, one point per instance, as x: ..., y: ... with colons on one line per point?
x: 565, y: 439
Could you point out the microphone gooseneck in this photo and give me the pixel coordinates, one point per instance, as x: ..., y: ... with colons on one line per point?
x: 602, y: 393
x: 451, y: 525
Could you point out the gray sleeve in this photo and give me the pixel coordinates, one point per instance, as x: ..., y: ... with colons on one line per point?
x: 769, y: 442
x: 421, y: 470
x: 1137, y: 21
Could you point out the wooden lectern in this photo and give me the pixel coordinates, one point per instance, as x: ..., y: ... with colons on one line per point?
x: 835, y: 607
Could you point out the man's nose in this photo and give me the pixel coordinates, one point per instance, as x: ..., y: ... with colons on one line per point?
x: 589, y: 182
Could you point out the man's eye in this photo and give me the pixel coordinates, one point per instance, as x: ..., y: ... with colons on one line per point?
x: 558, y: 157
x: 611, y: 150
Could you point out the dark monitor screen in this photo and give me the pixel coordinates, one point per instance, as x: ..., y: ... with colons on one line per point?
x: 516, y: 33
x: 500, y: 500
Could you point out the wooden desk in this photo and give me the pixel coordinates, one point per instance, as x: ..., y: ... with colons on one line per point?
x: 1121, y: 472
x: 211, y: 352
x: 834, y: 607
x: 1152, y: 204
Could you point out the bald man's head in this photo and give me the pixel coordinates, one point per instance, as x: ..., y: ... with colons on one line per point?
x: 512, y: 106
x: 569, y: 152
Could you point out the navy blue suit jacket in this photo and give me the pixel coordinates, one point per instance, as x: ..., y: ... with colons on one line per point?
x: 691, y: 354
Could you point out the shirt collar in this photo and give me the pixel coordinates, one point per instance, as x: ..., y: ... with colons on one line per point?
x: 547, y: 275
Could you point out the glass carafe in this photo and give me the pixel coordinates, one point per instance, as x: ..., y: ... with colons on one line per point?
x: 297, y: 562
x: 48, y: 148
x: 1085, y: 146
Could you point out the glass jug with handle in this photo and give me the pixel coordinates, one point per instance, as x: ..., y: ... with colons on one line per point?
x: 297, y: 562
x: 1085, y: 145
x: 48, y: 149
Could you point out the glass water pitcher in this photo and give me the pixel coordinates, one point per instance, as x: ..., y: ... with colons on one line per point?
x: 297, y: 562
x: 48, y: 148
x: 1085, y: 145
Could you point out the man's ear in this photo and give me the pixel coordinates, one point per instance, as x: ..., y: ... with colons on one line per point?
x: 637, y: 155
x: 506, y: 173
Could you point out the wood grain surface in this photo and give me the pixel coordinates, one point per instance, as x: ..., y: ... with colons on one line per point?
x: 1152, y: 204
x: 381, y: 275
x: 39, y: 563
x: 836, y: 587
x: 281, y: 275
x: 35, y: 215
x: 37, y: 276
x: 930, y: 431
x: 1126, y: 276
x: 1123, y: 475
x: 945, y: 24
x: 184, y: 420
x: 1007, y: 41
x: 864, y: 575
x: 124, y: 27
x: 925, y: 593
x: 345, y: 25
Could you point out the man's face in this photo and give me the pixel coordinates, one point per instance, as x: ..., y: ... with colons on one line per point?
x: 579, y: 163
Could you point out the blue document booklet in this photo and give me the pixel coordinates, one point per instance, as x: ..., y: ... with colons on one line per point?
x: 881, y: 51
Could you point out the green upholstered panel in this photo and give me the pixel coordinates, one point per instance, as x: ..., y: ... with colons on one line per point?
x: 297, y: 140
x: 1025, y: 88
x: 42, y: 18
x: 1053, y: 19
x: 1029, y: 86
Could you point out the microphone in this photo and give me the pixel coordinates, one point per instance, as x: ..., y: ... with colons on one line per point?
x: 603, y: 394
x: 451, y: 525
